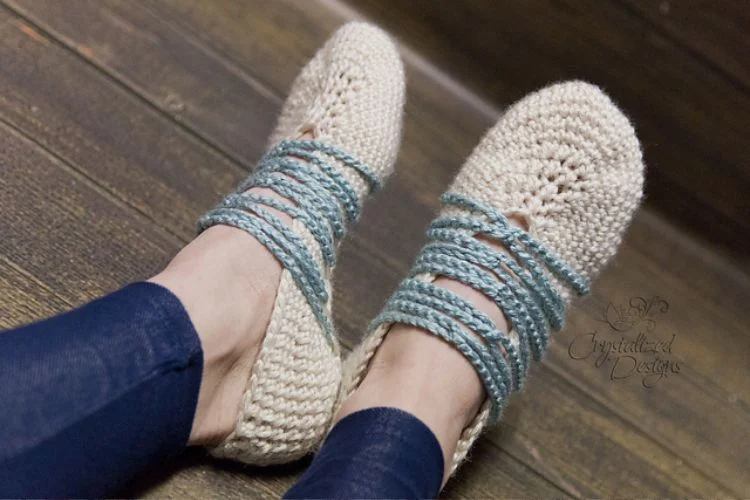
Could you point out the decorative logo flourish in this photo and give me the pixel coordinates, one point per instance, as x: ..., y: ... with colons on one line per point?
x: 629, y: 345
x: 638, y: 311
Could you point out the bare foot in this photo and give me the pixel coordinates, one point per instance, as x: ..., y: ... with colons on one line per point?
x: 420, y: 373
x: 227, y: 281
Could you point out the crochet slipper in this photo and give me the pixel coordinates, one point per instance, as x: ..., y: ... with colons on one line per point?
x: 567, y: 162
x: 350, y: 98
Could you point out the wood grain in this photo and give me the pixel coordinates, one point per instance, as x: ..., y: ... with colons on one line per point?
x: 73, y: 239
x: 715, y: 31
x: 106, y: 133
x: 24, y: 297
x: 152, y: 59
x: 106, y: 176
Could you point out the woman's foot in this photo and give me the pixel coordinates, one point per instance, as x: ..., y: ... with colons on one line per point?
x: 256, y: 281
x: 429, y: 373
x: 536, y: 211
x: 227, y: 283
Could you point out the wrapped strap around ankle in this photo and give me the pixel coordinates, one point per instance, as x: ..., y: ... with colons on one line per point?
x: 516, y: 281
x: 305, y: 172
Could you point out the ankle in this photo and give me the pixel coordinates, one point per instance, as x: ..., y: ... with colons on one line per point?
x: 226, y: 286
x: 419, y: 373
x: 227, y: 283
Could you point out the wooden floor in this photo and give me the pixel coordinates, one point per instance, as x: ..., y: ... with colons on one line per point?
x: 121, y: 122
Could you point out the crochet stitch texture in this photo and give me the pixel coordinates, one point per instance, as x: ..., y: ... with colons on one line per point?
x: 522, y: 291
x: 567, y: 162
x: 349, y: 97
x: 303, y: 173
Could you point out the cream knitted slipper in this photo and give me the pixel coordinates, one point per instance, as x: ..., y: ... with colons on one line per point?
x: 350, y: 98
x: 567, y: 162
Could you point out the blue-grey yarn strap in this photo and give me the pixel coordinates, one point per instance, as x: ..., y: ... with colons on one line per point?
x: 517, y: 281
x: 305, y: 172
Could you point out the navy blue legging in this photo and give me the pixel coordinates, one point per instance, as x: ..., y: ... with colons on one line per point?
x: 92, y: 397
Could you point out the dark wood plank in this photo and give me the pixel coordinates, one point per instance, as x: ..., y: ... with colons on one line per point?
x: 715, y: 30
x: 701, y: 414
x: 271, y: 47
x: 24, y: 297
x: 149, y: 56
x: 493, y: 473
x: 690, y: 118
x: 109, y: 135
x: 576, y: 444
x: 77, y: 243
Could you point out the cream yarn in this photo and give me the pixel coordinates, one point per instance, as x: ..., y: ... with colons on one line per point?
x: 567, y: 161
x: 351, y: 96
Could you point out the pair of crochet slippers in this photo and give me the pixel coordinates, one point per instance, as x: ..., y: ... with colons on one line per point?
x: 564, y: 160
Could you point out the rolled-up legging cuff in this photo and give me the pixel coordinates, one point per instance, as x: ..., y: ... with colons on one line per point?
x: 375, y: 453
